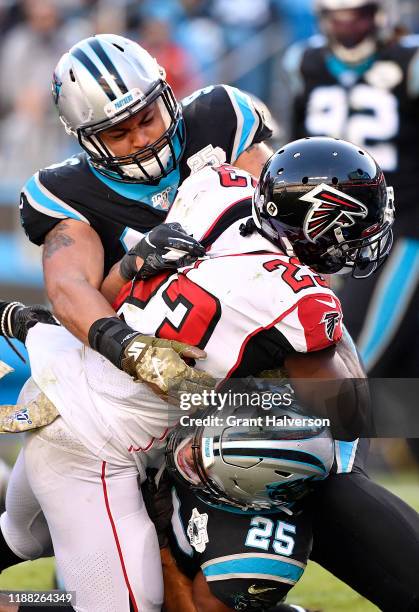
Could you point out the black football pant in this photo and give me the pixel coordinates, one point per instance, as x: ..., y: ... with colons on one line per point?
x: 369, y: 538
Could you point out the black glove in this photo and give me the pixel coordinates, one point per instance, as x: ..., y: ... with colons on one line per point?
x: 158, y: 502
x: 165, y: 247
x: 16, y: 319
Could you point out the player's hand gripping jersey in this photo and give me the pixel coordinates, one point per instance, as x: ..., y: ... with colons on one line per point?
x: 246, y: 303
x: 220, y: 122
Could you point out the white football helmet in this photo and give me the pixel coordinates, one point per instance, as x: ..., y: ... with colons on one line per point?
x: 353, y: 27
x: 102, y: 81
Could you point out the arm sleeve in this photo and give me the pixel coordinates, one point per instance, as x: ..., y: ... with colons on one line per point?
x: 314, y: 324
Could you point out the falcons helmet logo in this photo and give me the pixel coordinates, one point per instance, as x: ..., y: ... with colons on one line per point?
x: 331, y: 321
x: 330, y: 208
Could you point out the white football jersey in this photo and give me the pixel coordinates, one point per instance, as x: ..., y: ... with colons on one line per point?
x: 245, y: 303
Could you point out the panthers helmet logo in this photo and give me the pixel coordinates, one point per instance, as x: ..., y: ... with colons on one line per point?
x: 330, y: 208
x: 56, y: 87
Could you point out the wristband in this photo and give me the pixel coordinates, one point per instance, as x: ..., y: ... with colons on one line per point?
x: 6, y: 318
x: 108, y: 336
x: 128, y: 265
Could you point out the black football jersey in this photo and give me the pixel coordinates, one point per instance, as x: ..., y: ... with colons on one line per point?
x: 375, y: 105
x: 220, y: 121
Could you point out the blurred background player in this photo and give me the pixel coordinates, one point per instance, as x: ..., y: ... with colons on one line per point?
x: 360, y: 81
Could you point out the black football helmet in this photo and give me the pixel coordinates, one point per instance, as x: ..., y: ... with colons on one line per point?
x: 326, y: 201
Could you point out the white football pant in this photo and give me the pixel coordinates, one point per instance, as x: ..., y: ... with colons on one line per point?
x: 103, y: 539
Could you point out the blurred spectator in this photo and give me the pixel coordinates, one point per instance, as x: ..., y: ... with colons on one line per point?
x: 244, y: 24
x: 10, y: 15
x: 203, y: 37
x: 181, y: 69
x: 29, y: 138
x: 298, y: 21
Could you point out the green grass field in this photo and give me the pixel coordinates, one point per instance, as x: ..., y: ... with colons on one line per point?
x: 317, y: 589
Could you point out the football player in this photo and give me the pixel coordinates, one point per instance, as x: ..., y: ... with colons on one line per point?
x: 360, y: 81
x: 139, y: 144
x: 111, y: 423
x: 365, y: 254
x: 349, y: 494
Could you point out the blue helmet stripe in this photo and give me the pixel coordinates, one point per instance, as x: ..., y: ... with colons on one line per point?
x: 345, y: 455
x: 94, y: 71
x: 249, y: 119
x: 109, y: 65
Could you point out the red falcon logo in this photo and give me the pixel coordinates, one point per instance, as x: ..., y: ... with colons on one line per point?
x: 330, y: 208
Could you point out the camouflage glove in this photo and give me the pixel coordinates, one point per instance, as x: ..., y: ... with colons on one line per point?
x: 154, y: 361
x: 159, y: 363
x: 165, y: 247
x: 23, y: 417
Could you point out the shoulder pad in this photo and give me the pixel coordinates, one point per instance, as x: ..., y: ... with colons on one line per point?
x: 291, y: 62
x: 293, y: 59
x: 40, y: 193
x: 314, y: 324
x: 250, y: 126
x: 197, y: 94
x: 209, y: 190
x: 231, y: 115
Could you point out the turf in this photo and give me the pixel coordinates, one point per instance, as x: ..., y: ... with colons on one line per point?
x: 317, y: 589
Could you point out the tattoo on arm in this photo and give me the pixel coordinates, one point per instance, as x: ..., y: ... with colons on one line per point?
x: 57, y: 239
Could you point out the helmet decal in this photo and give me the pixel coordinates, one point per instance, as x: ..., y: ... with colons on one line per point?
x: 330, y: 208
x: 56, y: 87
x: 272, y: 209
x: 331, y: 321
x: 108, y: 64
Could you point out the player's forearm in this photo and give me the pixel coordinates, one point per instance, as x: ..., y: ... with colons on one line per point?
x: 77, y: 305
x: 114, y: 281
x: 112, y: 284
x: 254, y: 158
x: 332, y: 384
